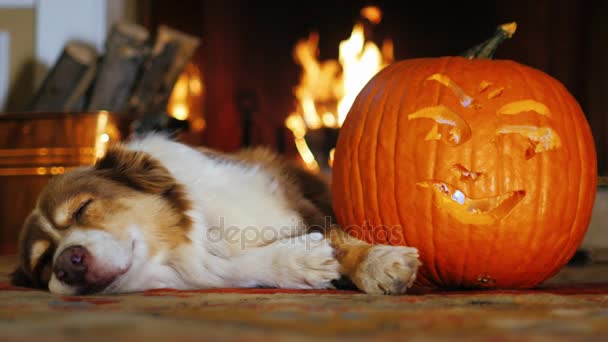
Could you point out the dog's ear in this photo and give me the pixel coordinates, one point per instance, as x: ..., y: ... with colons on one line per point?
x: 20, y: 278
x: 136, y: 169
x: 35, y: 252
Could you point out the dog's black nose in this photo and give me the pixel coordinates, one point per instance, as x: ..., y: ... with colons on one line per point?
x: 71, y: 265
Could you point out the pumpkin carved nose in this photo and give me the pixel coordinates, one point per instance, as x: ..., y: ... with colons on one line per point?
x: 71, y: 265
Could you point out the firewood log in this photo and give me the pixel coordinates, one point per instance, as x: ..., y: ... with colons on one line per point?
x: 67, y: 81
x: 172, y: 51
x: 126, y: 50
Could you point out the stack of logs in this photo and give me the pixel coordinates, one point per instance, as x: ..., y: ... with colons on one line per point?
x: 135, y: 75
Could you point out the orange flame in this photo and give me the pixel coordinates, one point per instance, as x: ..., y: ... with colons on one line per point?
x: 185, y: 100
x: 328, y: 88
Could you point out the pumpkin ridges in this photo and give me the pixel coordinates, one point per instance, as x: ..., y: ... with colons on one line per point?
x: 502, y: 238
x: 570, y: 187
x: 539, y: 161
x: 570, y: 246
x: 370, y: 214
x: 342, y: 192
x: 349, y: 174
x: 358, y: 210
x: 534, y: 171
x: 573, y: 171
x: 439, y: 222
x: 481, y: 262
x: 350, y: 200
x: 410, y: 228
x: 535, y: 208
x: 456, y: 243
x: 497, y: 173
x: 378, y: 222
x: 431, y: 206
x: 469, y: 150
x: 388, y: 224
x: 535, y: 167
x: 468, y: 153
x: 440, y: 231
x: 563, y: 249
x: 367, y: 176
x: 427, y: 246
x: 350, y: 178
x: 545, y: 172
x: 570, y: 135
x: 398, y: 123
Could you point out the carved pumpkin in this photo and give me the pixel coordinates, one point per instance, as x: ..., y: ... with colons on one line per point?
x: 488, y: 167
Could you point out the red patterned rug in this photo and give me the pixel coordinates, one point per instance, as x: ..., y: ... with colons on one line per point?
x: 562, y: 309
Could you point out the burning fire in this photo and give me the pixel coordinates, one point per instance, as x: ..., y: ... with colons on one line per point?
x: 186, y: 96
x: 328, y: 88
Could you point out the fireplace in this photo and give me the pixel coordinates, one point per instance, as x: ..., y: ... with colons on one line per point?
x: 250, y: 75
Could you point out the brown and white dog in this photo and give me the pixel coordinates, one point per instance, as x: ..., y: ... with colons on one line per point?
x: 158, y: 214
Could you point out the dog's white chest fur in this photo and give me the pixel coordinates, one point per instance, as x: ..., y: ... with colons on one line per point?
x: 242, y: 202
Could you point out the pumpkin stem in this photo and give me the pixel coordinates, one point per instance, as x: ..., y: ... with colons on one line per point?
x: 487, y: 48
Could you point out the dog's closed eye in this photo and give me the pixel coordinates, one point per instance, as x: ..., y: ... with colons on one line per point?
x: 77, y: 214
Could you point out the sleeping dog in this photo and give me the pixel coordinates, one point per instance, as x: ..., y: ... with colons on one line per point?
x: 154, y: 213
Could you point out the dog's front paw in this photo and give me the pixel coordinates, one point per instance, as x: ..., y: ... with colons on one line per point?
x: 312, y: 265
x: 387, y: 270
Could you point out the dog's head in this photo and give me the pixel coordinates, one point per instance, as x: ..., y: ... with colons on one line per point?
x: 95, y: 227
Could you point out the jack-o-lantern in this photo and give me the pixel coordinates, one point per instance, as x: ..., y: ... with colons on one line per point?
x: 488, y: 167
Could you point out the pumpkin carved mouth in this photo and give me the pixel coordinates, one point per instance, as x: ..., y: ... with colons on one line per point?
x: 481, y: 211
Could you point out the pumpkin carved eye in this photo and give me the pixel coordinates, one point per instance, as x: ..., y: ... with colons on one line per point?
x: 541, y: 139
x: 449, y: 127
